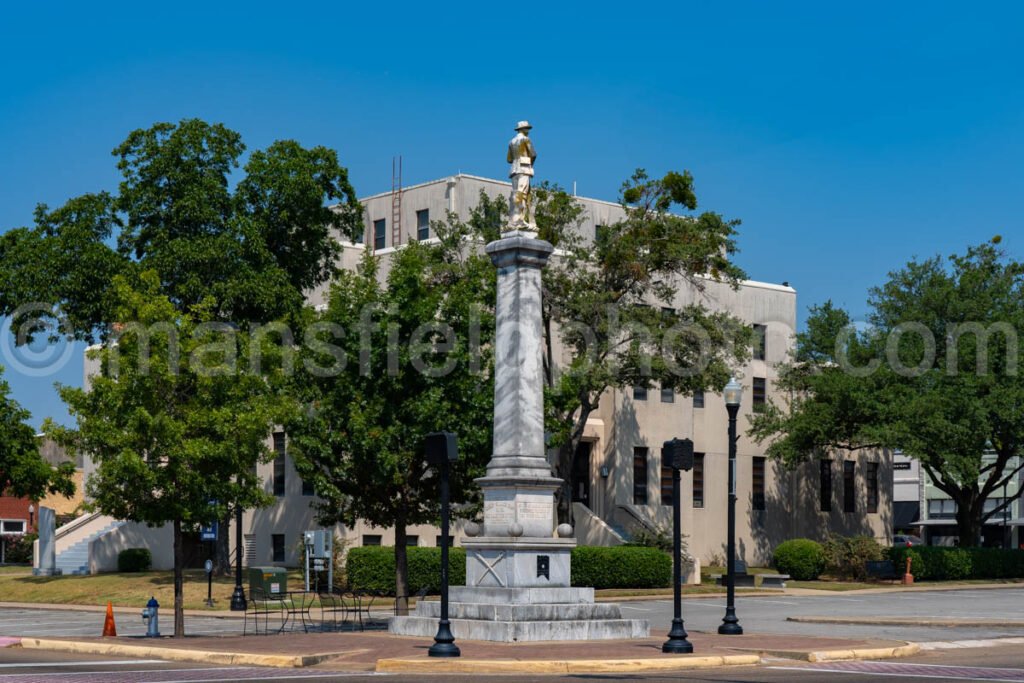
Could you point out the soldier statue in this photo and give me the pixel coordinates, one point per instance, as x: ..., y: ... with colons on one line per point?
x: 521, y: 155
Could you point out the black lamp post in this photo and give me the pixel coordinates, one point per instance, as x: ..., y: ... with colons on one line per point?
x: 679, y: 454
x: 238, y: 603
x: 442, y: 449
x: 730, y: 624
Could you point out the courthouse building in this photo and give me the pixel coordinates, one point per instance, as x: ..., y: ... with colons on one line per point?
x: 619, y: 484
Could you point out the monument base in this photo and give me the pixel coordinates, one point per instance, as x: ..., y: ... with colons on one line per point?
x: 524, y: 614
x: 505, y: 562
x: 47, y: 572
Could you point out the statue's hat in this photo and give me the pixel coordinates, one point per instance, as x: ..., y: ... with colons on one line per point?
x: 523, y: 124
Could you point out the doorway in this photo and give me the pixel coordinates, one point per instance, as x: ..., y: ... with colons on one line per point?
x: 581, y: 473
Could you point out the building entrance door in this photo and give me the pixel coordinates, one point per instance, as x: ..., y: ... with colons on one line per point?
x: 581, y: 474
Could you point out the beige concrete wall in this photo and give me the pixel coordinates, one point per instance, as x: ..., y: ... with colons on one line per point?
x: 160, y: 540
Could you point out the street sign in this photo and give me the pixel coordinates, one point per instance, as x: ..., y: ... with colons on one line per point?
x: 208, y: 533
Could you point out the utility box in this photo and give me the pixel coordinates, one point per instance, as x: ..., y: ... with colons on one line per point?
x: 268, y: 580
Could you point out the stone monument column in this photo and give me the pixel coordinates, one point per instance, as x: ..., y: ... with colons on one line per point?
x: 46, y: 544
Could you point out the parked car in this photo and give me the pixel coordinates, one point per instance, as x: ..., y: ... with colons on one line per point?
x: 900, y: 540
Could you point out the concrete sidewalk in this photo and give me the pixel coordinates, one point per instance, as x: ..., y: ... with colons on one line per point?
x: 382, y: 652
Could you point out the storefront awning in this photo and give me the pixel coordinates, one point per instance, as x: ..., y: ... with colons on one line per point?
x: 905, y: 513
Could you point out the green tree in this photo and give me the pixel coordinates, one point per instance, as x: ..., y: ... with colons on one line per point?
x: 391, y: 360
x: 612, y: 304
x: 934, y: 376
x: 253, y: 251
x: 174, y: 421
x: 23, y: 472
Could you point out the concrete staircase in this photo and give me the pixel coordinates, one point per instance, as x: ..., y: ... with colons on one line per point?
x: 74, y: 558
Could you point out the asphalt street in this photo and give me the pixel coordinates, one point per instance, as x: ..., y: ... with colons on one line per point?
x: 766, y: 614
x: 1001, y: 663
x: 769, y: 614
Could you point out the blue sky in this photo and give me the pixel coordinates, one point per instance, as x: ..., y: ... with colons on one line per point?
x: 849, y: 138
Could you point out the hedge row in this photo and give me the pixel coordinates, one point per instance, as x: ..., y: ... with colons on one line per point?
x: 936, y: 563
x: 801, y: 558
x: 373, y: 568
x: 134, y: 560
x: 621, y: 566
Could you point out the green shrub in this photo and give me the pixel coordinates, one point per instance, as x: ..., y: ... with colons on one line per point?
x: 373, y: 568
x: 936, y: 563
x: 845, y: 556
x: 134, y: 560
x: 18, y: 548
x: 801, y: 558
x: 621, y: 567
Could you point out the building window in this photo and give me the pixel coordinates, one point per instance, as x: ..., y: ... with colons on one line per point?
x: 941, y: 508
x: 360, y: 238
x: 760, y: 334
x: 666, y: 484
x: 412, y: 540
x: 760, y: 394
x: 440, y: 541
x: 308, y: 488
x: 277, y: 545
x: 825, y: 485
x: 698, y: 480
x: 872, y: 486
x: 849, y: 488
x: 668, y: 395
x: 378, y: 234
x: 279, y: 469
x: 600, y: 233
x: 371, y: 539
x: 757, y: 483
x: 423, y: 225
x: 639, y: 393
x: 250, y: 549
x: 698, y: 398
x: 639, y: 476
x: 12, y: 526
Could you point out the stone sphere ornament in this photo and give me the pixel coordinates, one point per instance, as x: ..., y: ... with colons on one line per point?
x: 472, y: 529
x: 564, y: 530
x: 515, y: 529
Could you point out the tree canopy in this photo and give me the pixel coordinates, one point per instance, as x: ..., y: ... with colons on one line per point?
x: 611, y: 302
x: 934, y: 375
x: 23, y: 472
x: 392, y: 358
x: 173, y: 421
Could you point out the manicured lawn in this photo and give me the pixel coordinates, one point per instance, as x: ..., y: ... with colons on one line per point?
x: 132, y: 590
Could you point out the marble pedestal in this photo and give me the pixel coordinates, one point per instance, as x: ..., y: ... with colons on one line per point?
x: 46, y: 562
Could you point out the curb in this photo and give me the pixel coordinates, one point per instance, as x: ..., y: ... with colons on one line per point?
x: 905, y: 650
x: 562, y: 666
x: 911, y: 621
x: 179, y: 655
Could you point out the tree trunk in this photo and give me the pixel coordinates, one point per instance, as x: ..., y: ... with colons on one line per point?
x: 179, y: 589
x: 401, y: 568
x: 564, y: 493
x: 968, y: 525
x: 222, y: 548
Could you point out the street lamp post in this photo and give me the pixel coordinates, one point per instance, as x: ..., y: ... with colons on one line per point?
x: 730, y: 624
x: 441, y: 450
x: 679, y: 454
x: 238, y: 603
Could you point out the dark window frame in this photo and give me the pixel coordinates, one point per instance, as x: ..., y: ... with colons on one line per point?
x: 825, y: 485
x: 280, y: 464
x: 380, y: 237
x: 849, y: 486
x: 668, y: 395
x: 698, y: 480
x: 639, y: 393
x: 666, y: 484
x: 372, y: 540
x: 759, y: 394
x: 423, y: 227
x: 698, y: 398
x: 758, y: 482
x: 871, y: 483
x: 278, y: 552
x: 760, y: 345
x: 640, y: 475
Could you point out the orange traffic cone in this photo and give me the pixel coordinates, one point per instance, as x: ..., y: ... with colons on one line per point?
x: 109, y: 629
